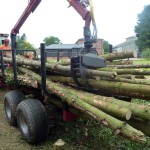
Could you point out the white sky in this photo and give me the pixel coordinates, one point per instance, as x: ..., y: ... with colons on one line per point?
x: 115, y: 20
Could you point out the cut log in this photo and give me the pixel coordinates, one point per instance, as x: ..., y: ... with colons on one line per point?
x: 119, y: 62
x: 120, y: 55
x: 138, y: 110
x: 141, y: 125
x: 127, y: 71
x: 129, y: 66
x: 131, y: 76
x: 61, y: 69
x: 116, y: 125
x: 116, y: 88
x: 114, y: 110
x: 133, y: 81
x: 59, y: 145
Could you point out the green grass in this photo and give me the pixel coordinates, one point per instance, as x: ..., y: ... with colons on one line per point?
x: 142, y: 61
x: 91, y: 135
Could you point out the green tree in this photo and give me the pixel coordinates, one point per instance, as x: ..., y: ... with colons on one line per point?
x: 23, y: 44
x: 51, y: 40
x: 106, y: 46
x: 142, y: 29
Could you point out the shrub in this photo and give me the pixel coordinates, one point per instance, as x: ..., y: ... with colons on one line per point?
x: 146, y: 54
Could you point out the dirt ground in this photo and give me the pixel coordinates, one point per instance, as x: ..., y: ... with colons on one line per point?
x: 10, y: 137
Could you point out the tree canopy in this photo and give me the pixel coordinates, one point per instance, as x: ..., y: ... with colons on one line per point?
x: 142, y: 29
x: 51, y: 40
x: 23, y: 44
x: 106, y: 46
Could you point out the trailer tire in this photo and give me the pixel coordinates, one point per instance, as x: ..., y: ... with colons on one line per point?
x: 32, y: 121
x: 11, y: 101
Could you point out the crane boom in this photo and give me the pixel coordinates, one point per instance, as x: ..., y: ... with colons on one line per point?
x: 84, y: 13
x: 30, y: 8
x: 86, y: 59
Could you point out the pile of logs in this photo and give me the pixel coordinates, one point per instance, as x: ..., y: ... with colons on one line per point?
x: 110, y: 96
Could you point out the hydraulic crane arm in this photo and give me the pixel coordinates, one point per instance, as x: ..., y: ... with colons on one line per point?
x: 86, y: 59
x: 33, y: 5
x: 87, y: 16
x: 30, y: 8
x: 84, y: 13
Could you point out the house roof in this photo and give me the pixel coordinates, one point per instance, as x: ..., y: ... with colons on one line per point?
x: 64, y: 46
x: 125, y: 43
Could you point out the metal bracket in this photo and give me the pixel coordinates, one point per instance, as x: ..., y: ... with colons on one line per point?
x: 2, y: 66
x: 75, y: 69
x: 43, y: 70
x: 86, y: 59
x: 14, y: 64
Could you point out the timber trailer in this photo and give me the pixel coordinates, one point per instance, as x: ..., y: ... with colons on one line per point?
x: 30, y: 113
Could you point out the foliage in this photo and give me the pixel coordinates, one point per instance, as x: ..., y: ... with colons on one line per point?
x: 146, y: 54
x: 91, y: 135
x: 142, y: 29
x: 51, y: 40
x: 10, y: 79
x: 106, y: 46
x: 23, y: 44
x: 141, y: 101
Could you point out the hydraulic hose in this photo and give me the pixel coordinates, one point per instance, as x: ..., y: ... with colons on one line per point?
x: 93, y: 20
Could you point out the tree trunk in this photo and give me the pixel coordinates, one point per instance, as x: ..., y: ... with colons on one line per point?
x: 127, y: 71
x: 141, y: 125
x: 126, y: 76
x: 130, y: 66
x: 120, y: 55
x: 116, y: 88
x: 119, y: 62
x: 116, y: 125
x: 138, y: 110
x: 133, y: 81
x: 61, y: 69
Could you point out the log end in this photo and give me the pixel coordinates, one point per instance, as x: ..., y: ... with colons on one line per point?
x: 134, y: 54
x: 128, y: 115
x: 59, y: 145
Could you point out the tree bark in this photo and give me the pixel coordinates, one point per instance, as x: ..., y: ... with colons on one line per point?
x: 120, y: 55
x: 138, y: 110
x: 61, y: 69
x: 119, y: 62
x: 116, y: 88
x: 133, y: 81
x: 141, y: 125
x: 114, y: 110
x: 126, y: 76
x: 130, y: 66
x: 127, y: 71
x: 116, y: 125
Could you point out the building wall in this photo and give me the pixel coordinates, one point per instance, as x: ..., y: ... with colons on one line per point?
x: 129, y: 44
x: 98, y: 45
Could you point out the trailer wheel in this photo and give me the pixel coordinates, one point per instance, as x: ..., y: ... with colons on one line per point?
x: 11, y: 101
x: 32, y: 120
